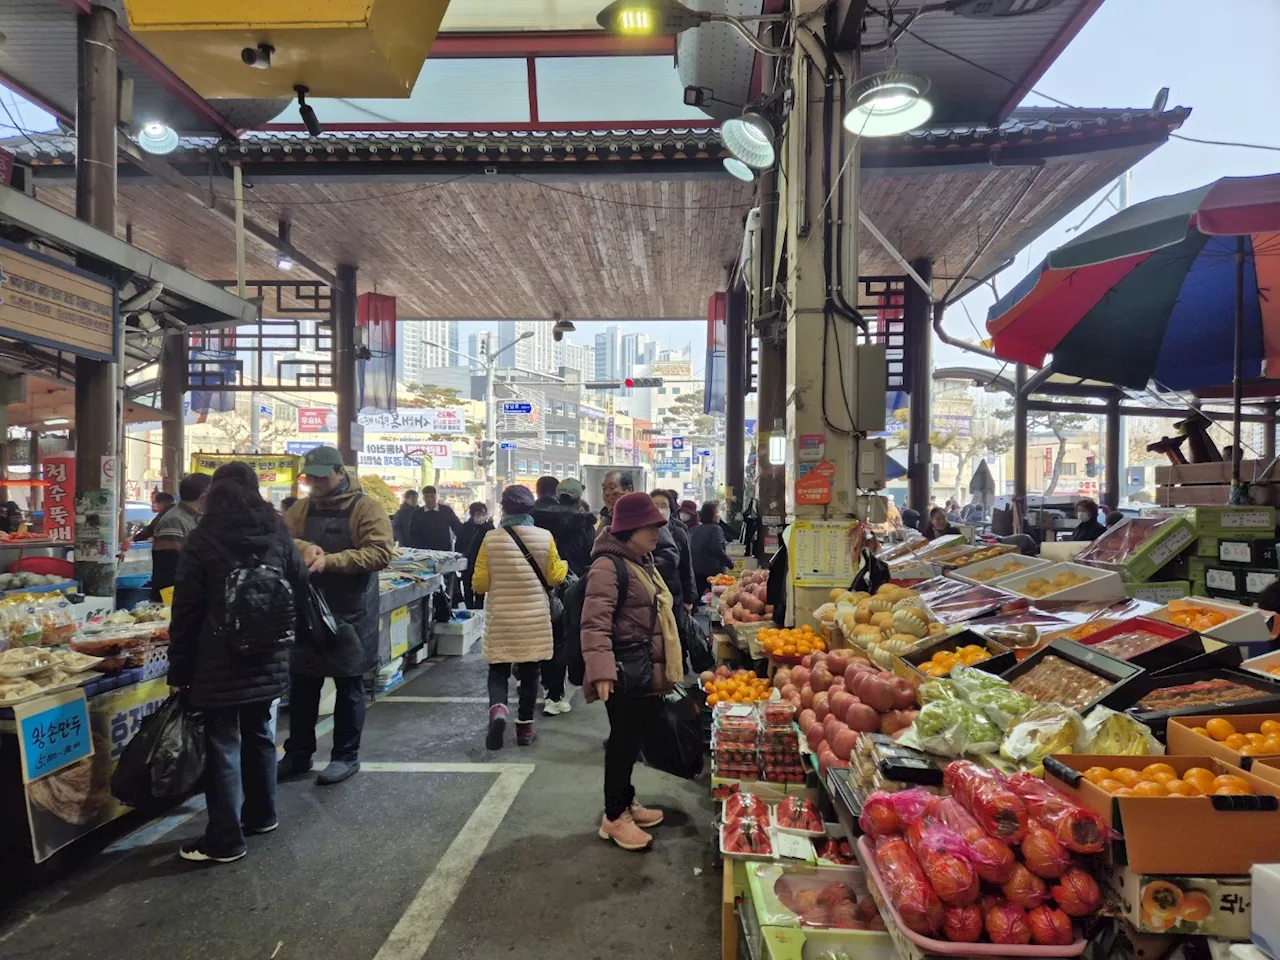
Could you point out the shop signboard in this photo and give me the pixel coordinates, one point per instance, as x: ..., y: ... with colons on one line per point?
x: 60, y: 498
x: 55, y: 305
x: 53, y: 732
x: 75, y: 800
x: 273, y: 470
x: 416, y: 420
x: 317, y: 420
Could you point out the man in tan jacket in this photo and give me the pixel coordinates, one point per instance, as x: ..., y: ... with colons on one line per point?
x: 345, y: 539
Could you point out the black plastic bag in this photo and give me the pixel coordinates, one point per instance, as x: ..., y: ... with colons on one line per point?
x: 673, y: 744
x: 696, y: 645
x: 165, y: 759
x: 317, y: 626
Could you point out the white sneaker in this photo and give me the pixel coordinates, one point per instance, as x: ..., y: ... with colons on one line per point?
x: 554, y: 708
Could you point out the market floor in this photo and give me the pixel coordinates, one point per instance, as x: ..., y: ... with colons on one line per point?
x: 437, y: 849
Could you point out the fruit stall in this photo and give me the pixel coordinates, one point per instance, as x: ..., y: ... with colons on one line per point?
x: 992, y: 760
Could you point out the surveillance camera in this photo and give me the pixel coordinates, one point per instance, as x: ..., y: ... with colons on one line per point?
x: 258, y: 57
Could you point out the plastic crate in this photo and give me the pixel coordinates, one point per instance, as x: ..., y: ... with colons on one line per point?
x: 456, y: 637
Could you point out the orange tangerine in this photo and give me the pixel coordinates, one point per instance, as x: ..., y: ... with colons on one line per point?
x: 1152, y: 769
x: 1254, y: 737
x: 1200, y: 730
x: 1183, y: 788
x: 1111, y: 786
x: 1235, y: 741
x: 1162, y: 776
x: 1232, y: 790
x: 1126, y: 775
x: 1219, y: 728
x: 1270, y: 727
x: 1272, y: 743
x: 1149, y: 788
x: 1252, y: 750
x: 1193, y: 774
x: 1125, y: 792
x: 1231, y: 780
x: 1097, y: 774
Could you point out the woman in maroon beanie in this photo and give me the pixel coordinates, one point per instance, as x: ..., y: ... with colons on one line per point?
x: 626, y: 647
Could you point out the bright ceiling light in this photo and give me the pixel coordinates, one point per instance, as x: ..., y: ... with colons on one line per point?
x: 887, y: 104
x: 750, y: 139
x: 648, y: 18
x: 284, y: 262
x: 56, y: 422
x: 157, y: 137
x: 739, y: 169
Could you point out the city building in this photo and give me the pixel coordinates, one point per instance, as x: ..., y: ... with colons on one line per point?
x: 538, y: 353
x: 636, y: 349
x: 608, y: 354
x: 479, y: 344
x: 576, y: 357
x: 421, y: 344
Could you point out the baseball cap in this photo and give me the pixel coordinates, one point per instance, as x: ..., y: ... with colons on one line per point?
x: 571, y: 488
x: 321, y: 461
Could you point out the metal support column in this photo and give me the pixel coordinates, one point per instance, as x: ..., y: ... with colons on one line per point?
x: 771, y: 373
x: 917, y: 322
x: 344, y: 357
x: 1020, y: 435
x: 735, y: 427
x: 173, y: 382
x: 97, y: 460
x: 1111, y: 474
x: 1269, y: 411
x: 35, y: 500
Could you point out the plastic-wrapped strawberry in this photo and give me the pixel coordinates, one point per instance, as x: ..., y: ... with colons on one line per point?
x: 796, y: 813
x: 834, y: 850
x: 742, y: 805
x: 748, y: 835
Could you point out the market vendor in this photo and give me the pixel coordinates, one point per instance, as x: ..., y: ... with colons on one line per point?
x: 939, y: 525
x: 171, y: 532
x: 1088, y: 527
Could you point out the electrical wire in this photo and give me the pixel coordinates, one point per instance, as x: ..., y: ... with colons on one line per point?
x: 14, y: 123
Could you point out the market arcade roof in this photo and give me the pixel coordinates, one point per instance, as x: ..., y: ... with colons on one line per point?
x: 596, y: 224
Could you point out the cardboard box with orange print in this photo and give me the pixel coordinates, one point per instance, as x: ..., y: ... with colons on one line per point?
x: 1203, y: 906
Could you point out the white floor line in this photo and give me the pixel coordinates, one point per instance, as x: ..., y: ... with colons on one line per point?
x: 418, y: 927
x: 414, y: 767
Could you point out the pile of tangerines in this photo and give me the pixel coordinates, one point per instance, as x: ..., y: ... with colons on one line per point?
x: 1162, y: 780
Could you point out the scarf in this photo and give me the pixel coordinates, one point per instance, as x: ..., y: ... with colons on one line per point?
x: 654, y: 587
x: 517, y: 520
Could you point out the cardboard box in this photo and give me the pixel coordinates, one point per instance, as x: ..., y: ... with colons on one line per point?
x: 1224, y: 581
x: 1247, y: 551
x: 1201, y: 906
x: 1001, y: 659
x: 1260, y: 665
x: 1099, y: 584
x: 1158, y: 591
x: 1229, y: 521
x: 1243, y: 624
x: 457, y: 637
x: 1185, y: 836
x: 969, y: 573
x: 1182, y: 738
x: 1141, y: 547
x: 1265, y: 932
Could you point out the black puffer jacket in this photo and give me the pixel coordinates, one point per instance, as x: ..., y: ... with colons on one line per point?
x: 574, y: 533
x: 198, y: 659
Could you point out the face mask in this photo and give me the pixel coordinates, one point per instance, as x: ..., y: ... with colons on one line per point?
x: 665, y: 511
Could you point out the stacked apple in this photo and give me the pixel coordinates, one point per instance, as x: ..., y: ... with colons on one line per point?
x: 745, y: 601
x: 842, y: 696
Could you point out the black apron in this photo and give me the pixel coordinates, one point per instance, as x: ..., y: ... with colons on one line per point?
x: 353, y: 598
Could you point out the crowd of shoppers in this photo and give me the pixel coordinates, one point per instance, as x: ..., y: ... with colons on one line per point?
x: 645, y: 561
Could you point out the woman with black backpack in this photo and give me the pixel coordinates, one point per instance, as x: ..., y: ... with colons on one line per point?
x: 240, y: 583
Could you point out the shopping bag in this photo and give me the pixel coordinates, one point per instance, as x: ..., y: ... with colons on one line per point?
x: 317, y: 626
x: 696, y: 645
x: 165, y: 759
x: 673, y: 743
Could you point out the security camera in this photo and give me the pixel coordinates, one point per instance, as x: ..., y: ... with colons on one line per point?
x: 557, y: 335
x: 561, y: 328
x: 258, y: 57
x: 308, y: 115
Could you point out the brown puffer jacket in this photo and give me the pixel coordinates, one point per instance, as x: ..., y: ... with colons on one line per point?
x: 600, y: 626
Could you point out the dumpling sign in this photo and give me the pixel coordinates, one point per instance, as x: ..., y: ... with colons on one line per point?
x: 53, y: 732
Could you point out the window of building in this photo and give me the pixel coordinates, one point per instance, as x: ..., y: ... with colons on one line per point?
x: 557, y: 439
x: 522, y: 466
x: 571, y: 410
x: 558, y: 408
x: 1068, y: 469
x: 662, y: 411
x: 662, y: 390
x: 675, y: 391
x: 571, y: 439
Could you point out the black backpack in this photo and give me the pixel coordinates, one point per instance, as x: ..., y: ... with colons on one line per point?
x: 259, y: 611
x: 575, y: 597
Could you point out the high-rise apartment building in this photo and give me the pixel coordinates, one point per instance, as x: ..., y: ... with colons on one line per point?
x: 636, y: 349
x: 577, y: 357
x: 478, y: 345
x: 536, y: 354
x: 608, y: 354
x: 421, y: 345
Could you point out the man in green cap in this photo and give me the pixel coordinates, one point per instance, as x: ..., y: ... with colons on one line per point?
x: 345, y: 539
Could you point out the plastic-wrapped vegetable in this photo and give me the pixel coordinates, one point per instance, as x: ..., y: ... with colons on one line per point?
x: 1108, y: 733
x: 1044, y: 729
x: 970, y: 681
x: 999, y: 810
x: 906, y: 886
x: 1050, y: 927
x: 1076, y: 828
x: 949, y: 728
x: 1006, y: 922
x: 933, y: 690
x: 963, y: 924
x: 1042, y: 853
x: 992, y: 859
x: 1002, y: 707
x: 886, y: 813
x: 943, y: 857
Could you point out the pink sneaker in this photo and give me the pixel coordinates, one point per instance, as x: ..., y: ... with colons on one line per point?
x: 644, y: 817
x: 624, y: 832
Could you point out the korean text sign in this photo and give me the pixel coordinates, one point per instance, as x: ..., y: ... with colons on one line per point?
x: 60, y: 498
x: 53, y: 732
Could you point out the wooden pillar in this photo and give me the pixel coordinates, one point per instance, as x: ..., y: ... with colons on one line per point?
x: 1112, y: 456
x: 344, y: 357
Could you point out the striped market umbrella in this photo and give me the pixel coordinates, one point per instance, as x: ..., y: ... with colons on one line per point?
x: 1163, y: 291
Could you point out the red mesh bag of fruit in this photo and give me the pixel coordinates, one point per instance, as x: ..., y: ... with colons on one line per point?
x: 906, y: 887
x: 1006, y: 922
x: 1076, y: 828
x: 984, y: 793
x: 886, y: 813
x: 943, y: 857
x: 992, y: 859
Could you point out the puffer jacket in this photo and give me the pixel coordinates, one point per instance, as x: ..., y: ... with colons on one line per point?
x: 198, y: 658
x: 602, y: 621
x: 573, y: 530
x: 709, y: 554
x: 517, y: 615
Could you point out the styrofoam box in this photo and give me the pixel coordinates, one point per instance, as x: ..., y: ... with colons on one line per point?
x: 1101, y: 584
x: 966, y: 573
x: 1245, y: 624
x: 1260, y: 664
x: 457, y: 637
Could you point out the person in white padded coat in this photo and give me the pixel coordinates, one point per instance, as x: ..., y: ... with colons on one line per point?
x: 517, y: 618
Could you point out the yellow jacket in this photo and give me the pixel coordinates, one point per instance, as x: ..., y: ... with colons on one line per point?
x: 517, y: 616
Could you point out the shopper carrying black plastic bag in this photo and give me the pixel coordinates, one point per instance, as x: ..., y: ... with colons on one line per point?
x: 672, y: 743
x: 165, y: 759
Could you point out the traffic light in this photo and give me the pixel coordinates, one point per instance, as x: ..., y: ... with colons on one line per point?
x: 642, y: 382
x: 484, y: 454
x: 1090, y: 466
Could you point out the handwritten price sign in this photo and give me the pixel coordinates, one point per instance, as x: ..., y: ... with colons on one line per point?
x: 53, y: 732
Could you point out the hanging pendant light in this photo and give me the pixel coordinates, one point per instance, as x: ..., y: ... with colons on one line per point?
x: 750, y: 139
x: 888, y: 104
x: 157, y: 137
x: 739, y: 169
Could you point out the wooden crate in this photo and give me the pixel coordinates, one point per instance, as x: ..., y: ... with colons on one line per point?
x: 1209, y: 484
x: 1214, y: 495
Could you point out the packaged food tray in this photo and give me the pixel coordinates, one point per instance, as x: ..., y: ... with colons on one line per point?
x: 1072, y: 660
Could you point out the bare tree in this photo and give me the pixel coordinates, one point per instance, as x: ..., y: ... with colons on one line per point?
x: 1063, y: 426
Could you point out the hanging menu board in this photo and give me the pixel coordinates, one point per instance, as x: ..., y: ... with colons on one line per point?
x: 819, y: 553
x: 56, y: 305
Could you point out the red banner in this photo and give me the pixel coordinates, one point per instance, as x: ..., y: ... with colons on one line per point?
x: 317, y: 420
x: 60, y: 498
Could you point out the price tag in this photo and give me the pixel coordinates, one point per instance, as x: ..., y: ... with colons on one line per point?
x: 790, y: 845
x: 1255, y: 581
x: 53, y: 732
x: 1235, y: 551
x: 1245, y: 519
x: 1220, y: 579
x: 399, y: 632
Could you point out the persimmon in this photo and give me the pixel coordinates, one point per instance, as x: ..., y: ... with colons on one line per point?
x: 1196, y: 907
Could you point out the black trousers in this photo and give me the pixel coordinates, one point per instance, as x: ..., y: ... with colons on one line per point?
x: 527, y: 677
x: 240, y: 775
x: 553, y: 670
x: 628, y: 718
x: 348, y: 716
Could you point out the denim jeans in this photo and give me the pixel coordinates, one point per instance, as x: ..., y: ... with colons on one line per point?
x: 240, y: 775
x: 348, y: 716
